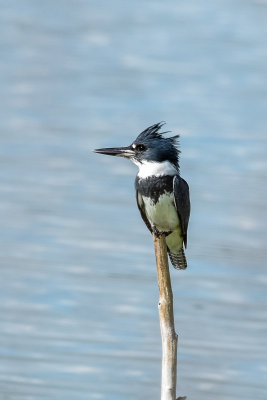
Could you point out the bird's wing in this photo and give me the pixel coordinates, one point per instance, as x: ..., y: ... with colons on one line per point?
x: 141, y: 207
x: 182, y: 203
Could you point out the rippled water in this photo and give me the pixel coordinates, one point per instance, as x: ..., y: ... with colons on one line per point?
x: 78, y: 282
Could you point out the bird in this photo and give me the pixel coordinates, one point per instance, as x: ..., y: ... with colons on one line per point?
x: 162, y: 195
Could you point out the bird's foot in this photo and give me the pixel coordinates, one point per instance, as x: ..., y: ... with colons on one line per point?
x: 158, y: 234
x: 167, y: 233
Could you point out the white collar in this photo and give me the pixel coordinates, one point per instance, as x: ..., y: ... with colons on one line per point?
x: 150, y: 168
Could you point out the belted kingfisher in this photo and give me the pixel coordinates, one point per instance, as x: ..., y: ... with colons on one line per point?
x: 162, y: 195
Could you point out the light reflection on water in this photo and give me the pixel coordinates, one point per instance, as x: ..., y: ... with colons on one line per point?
x: 78, y: 298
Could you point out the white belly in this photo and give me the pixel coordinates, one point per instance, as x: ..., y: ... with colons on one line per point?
x: 163, y: 214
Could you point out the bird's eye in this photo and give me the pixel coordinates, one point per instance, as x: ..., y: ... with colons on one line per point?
x: 140, y: 147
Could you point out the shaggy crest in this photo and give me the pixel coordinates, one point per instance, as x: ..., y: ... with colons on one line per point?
x: 153, y: 138
x: 153, y: 132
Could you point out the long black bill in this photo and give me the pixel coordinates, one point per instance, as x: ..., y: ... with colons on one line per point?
x: 116, y: 151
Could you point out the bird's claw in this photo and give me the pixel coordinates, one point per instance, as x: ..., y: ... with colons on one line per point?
x: 158, y: 234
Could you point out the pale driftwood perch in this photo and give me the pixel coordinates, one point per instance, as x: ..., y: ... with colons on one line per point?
x: 168, y: 335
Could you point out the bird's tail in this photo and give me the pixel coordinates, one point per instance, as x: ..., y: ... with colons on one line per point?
x: 178, y: 260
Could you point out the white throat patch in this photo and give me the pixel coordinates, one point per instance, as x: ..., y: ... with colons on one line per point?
x: 149, y: 168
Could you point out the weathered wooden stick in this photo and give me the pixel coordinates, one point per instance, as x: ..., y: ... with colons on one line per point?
x: 168, y: 335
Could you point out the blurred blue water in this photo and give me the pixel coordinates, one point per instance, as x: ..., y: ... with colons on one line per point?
x: 79, y: 293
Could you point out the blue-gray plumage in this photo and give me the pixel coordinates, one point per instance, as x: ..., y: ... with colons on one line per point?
x: 162, y: 195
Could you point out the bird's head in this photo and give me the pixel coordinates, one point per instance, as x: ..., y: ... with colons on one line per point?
x: 149, y: 146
